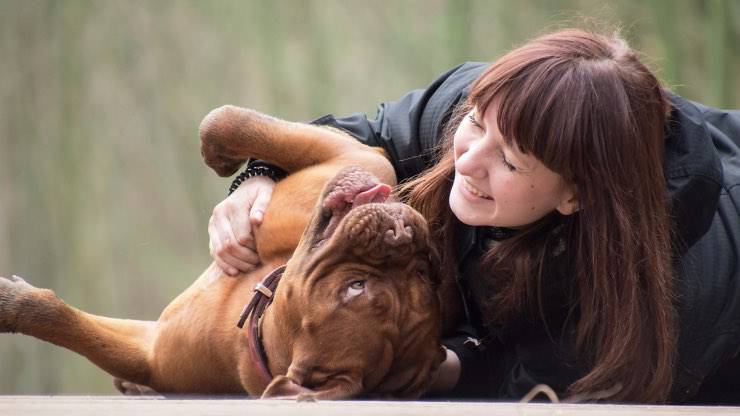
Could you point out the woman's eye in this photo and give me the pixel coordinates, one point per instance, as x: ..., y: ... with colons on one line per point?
x: 474, y: 122
x: 506, y: 163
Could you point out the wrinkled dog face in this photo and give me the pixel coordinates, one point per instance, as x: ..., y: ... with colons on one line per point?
x: 359, y: 298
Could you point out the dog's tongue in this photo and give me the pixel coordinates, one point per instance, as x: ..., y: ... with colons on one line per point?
x: 378, y: 193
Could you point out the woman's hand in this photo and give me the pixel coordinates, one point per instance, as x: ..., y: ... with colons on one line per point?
x: 232, y: 224
x: 448, y: 374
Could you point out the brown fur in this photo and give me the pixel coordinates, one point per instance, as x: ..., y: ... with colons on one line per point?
x: 382, y: 343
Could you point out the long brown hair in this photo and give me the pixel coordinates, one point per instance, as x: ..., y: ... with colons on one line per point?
x: 589, y: 110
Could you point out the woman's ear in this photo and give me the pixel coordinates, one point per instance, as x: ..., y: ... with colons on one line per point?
x: 568, y: 201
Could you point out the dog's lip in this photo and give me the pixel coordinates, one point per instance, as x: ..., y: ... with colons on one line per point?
x: 335, y: 212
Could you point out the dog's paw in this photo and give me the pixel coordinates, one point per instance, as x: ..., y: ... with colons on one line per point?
x: 215, y: 159
x: 128, y: 388
x: 218, y: 132
x: 11, y: 291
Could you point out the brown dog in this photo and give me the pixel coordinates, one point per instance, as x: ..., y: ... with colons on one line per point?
x: 355, y: 312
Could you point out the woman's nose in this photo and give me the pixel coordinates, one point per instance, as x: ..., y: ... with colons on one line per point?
x: 473, y: 162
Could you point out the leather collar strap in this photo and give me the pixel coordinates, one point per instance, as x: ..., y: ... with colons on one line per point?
x: 261, y: 299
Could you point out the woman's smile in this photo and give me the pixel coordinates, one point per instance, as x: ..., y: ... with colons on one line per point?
x: 473, y: 190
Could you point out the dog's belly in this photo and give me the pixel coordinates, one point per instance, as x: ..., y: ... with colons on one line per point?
x: 198, y: 344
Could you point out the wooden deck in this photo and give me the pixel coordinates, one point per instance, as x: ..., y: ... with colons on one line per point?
x: 117, y: 405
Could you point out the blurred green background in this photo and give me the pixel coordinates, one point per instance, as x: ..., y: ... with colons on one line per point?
x: 103, y: 195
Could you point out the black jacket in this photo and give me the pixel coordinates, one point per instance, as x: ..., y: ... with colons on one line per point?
x: 702, y: 168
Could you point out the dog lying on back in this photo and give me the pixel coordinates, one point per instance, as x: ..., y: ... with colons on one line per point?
x: 355, y: 312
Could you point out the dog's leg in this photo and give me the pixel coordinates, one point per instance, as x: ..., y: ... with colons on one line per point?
x: 230, y: 135
x: 312, y: 155
x: 120, y: 347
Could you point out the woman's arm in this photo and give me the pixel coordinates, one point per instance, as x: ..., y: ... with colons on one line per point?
x: 410, y: 128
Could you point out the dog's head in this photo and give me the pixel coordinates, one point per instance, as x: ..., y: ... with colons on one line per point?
x: 357, y: 303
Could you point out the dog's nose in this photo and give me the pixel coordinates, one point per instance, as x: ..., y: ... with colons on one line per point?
x: 400, y: 234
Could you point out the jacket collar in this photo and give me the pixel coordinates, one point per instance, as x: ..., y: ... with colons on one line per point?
x: 693, y: 173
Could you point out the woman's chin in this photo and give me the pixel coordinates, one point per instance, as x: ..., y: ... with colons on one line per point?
x: 467, y: 214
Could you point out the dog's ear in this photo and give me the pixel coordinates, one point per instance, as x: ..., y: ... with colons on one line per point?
x: 282, y: 387
x: 435, y: 264
x: 427, y: 267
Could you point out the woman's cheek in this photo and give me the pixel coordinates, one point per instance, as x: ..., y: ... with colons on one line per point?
x: 457, y: 147
x: 462, y: 139
x: 502, y: 188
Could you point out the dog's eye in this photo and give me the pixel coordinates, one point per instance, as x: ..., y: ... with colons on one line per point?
x: 355, y: 288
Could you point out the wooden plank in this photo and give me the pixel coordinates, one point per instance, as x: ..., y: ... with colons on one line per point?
x: 115, y: 405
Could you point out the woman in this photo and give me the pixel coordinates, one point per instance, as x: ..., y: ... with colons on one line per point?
x: 571, y: 184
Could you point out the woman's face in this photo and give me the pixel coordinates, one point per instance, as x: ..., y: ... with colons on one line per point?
x: 498, y: 185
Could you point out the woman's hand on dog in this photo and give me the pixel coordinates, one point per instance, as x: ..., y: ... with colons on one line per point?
x: 448, y: 374
x: 232, y: 223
